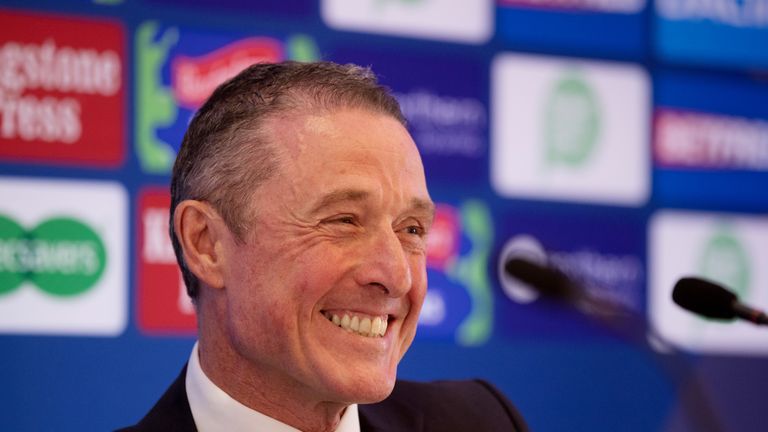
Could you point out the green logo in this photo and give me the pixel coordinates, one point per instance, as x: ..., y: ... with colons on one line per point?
x: 725, y: 260
x: 471, y: 271
x: 155, y: 104
x: 572, y: 122
x: 62, y: 256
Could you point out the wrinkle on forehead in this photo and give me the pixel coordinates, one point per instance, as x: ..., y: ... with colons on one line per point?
x: 347, y: 148
x: 292, y: 129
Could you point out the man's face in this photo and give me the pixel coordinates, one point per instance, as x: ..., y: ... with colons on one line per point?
x: 338, y: 234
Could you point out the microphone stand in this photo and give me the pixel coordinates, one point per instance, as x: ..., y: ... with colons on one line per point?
x: 554, y: 285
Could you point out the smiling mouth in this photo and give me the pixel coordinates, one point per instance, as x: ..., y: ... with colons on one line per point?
x: 367, y: 326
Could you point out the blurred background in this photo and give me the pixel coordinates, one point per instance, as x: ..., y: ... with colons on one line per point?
x: 624, y: 142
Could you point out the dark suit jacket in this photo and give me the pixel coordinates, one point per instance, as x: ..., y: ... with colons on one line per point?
x: 442, y: 406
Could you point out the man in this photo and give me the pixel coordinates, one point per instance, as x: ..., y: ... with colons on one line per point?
x: 299, y: 215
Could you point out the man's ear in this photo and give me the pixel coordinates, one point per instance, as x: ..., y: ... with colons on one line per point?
x: 200, y: 231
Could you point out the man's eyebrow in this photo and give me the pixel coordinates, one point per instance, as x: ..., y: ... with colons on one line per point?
x: 339, y: 196
x: 419, y: 205
x: 423, y: 206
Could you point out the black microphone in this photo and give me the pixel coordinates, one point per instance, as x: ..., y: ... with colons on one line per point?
x: 546, y: 280
x: 711, y: 300
x: 552, y: 283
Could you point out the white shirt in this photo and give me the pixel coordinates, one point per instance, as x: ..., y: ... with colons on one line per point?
x: 214, y: 410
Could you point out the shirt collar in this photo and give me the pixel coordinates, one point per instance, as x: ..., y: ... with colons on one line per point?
x: 215, y: 410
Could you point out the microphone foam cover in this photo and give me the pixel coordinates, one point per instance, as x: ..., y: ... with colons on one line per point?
x: 546, y: 280
x: 704, y: 298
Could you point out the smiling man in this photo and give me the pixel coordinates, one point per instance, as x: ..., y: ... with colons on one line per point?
x: 299, y: 219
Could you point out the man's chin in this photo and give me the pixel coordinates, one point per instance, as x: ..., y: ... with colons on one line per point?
x: 365, y: 391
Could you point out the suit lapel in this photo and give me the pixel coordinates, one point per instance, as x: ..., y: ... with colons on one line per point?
x: 390, y: 415
x: 171, y: 412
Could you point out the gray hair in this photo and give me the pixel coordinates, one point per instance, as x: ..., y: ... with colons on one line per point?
x: 225, y: 154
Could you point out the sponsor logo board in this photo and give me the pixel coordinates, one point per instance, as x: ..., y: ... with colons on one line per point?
x: 690, y: 139
x: 459, y: 301
x: 600, y: 254
x: 447, y: 20
x: 578, y: 26
x: 728, y: 249
x: 447, y: 115
x: 177, y: 69
x: 570, y: 130
x: 729, y: 32
x: 163, y: 306
x: 710, y: 144
x: 62, y: 90
x: 62, y: 257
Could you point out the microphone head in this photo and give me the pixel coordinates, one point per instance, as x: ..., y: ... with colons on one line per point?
x: 546, y: 280
x: 704, y: 298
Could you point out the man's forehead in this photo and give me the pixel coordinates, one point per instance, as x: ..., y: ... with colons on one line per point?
x: 416, y: 203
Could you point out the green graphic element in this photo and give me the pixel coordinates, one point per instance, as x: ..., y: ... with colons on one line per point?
x: 725, y: 260
x: 571, y: 122
x: 302, y: 48
x: 62, y: 256
x: 155, y: 104
x: 10, y: 234
x: 471, y: 271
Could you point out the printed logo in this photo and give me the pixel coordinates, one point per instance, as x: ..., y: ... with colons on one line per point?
x: 732, y: 32
x: 449, y: 20
x: 447, y: 116
x: 572, y: 122
x: 195, y: 64
x: 737, y: 13
x: 720, y: 247
x: 62, y: 257
x: 194, y: 79
x: 685, y: 139
x: 724, y: 259
x: 163, y: 305
x: 525, y: 247
x: 445, y: 125
x: 459, y: 302
x: 569, y: 130
x: 606, y: 275
x: 61, y: 96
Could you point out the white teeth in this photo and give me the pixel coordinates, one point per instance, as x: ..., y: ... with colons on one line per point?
x: 365, y: 326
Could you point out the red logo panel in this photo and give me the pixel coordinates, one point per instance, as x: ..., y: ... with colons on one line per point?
x: 444, y: 236
x: 195, y: 78
x: 61, y: 89
x: 163, y: 304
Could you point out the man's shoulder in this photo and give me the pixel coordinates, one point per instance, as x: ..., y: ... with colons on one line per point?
x: 447, y: 406
x: 170, y: 413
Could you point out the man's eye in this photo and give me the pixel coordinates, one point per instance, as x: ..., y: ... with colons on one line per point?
x: 415, y: 229
x: 346, y: 220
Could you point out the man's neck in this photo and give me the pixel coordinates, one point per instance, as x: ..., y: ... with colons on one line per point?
x: 255, y: 388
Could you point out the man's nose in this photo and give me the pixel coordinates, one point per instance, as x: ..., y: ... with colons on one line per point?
x: 385, y: 264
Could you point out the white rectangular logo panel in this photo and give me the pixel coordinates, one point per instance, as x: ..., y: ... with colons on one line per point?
x: 63, y: 257
x: 447, y: 20
x: 570, y: 130
x: 731, y: 250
